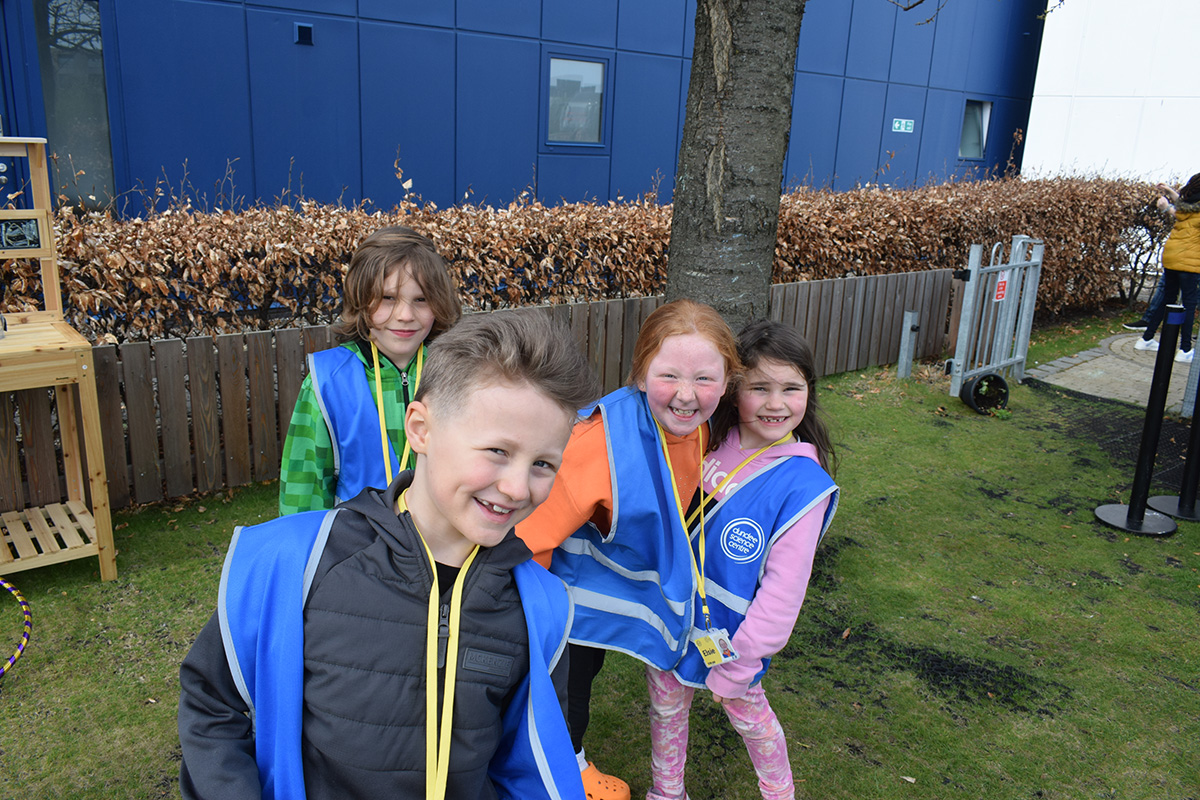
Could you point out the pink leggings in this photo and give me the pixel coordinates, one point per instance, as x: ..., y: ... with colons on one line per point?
x: 751, y: 716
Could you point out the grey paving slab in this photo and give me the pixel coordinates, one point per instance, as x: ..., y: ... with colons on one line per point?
x: 1114, y: 369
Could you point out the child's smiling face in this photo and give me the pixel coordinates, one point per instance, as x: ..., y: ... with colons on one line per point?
x: 684, y: 382
x: 483, y: 466
x: 403, y: 319
x: 771, y: 401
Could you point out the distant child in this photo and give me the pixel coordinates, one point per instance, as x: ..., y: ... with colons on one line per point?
x: 404, y: 644
x: 347, y: 430
x: 1181, y: 267
x: 768, y: 500
x: 616, y: 512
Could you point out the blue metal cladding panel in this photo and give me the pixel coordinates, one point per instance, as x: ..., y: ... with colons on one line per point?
x: 1007, y: 116
x: 912, y: 47
x: 172, y: 112
x: 439, y: 13
x: 341, y: 7
x: 653, y: 26
x: 511, y: 17
x: 860, y: 133
x: 872, y: 28
x: 1021, y: 49
x: 572, y: 179
x: 990, y: 49
x: 689, y: 28
x: 585, y: 22
x: 497, y: 133
x: 412, y: 117
x: 952, y: 46
x: 899, y: 150
x: 941, y: 134
x: 813, y: 146
x: 305, y: 106
x: 646, y: 123
x: 824, y: 37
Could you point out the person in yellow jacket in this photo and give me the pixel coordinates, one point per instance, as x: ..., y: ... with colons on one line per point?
x: 1181, y: 265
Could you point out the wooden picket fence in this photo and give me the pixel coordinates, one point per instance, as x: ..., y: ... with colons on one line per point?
x: 201, y: 414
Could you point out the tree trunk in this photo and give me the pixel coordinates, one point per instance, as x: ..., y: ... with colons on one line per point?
x: 735, y: 137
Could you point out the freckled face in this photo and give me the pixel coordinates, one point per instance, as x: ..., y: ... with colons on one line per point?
x: 484, y: 467
x: 771, y: 400
x: 684, y: 382
x: 403, y: 318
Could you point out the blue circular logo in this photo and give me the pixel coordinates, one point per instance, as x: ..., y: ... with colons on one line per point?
x: 743, y: 540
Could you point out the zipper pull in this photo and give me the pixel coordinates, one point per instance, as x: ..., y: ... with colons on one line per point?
x: 404, y: 386
x: 443, y: 633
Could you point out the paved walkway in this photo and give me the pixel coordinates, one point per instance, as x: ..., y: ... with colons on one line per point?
x: 1113, y: 369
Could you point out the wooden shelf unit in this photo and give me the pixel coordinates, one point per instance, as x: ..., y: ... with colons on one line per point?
x: 40, y: 350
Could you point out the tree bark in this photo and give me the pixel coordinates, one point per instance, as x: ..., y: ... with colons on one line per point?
x: 735, y: 136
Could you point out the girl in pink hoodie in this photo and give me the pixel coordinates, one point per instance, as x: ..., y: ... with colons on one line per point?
x: 766, y: 500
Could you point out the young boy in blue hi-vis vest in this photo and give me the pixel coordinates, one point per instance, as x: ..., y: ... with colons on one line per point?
x: 347, y: 428
x: 404, y: 644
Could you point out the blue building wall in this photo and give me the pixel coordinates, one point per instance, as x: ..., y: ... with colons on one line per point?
x: 454, y: 93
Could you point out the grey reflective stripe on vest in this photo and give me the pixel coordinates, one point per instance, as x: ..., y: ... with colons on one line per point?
x: 337, y: 456
x: 582, y: 547
x: 624, y: 608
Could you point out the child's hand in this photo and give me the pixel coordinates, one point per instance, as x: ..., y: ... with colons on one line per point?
x: 718, y: 699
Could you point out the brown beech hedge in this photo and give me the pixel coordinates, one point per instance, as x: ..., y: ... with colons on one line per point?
x: 184, y: 272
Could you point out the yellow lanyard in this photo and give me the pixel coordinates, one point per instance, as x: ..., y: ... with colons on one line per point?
x: 437, y: 748
x: 383, y: 435
x: 698, y: 570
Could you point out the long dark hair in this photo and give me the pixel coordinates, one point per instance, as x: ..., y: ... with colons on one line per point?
x: 764, y: 339
x: 1190, y: 193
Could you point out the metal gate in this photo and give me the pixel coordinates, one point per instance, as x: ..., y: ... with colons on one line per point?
x: 997, y: 312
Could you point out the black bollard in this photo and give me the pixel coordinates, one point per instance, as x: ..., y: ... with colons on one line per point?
x: 1183, y: 505
x: 1134, y: 518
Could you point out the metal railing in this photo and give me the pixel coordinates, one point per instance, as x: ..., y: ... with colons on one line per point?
x: 997, y: 312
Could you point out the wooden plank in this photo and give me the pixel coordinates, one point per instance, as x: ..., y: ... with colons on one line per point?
x: 64, y: 526
x: 775, y: 302
x: 264, y: 421
x: 206, y: 433
x: 868, y: 323
x: 811, y: 312
x: 74, y: 461
x: 41, y: 532
x: 928, y: 321
x: 112, y: 424
x: 170, y: 365
x: 289, y: 366
x: 941, y: 307
x: 858, y: 322
x: 231, y: 366
x: 142, y: 419
x: 795, y: 305
x: 37, y: 439
x: 846, y: 327
x: 579, y: 326
x: 17, y: 534
x: 12, y: 493
x: 833, y: 326
x: 595, y: 348
x: 317, y: 337
x: 822, y: 342
x: 614, y: 325
x: 889, y: 343
x: 629, y: 334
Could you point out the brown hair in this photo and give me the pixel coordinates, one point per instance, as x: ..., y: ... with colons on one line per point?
x: 678, y: 318
x: 1190, y: 193
x: 519, y: 346
x: 375, y: 258
x: 775, y: 341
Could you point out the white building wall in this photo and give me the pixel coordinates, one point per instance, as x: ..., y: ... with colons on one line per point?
x: 1116, y: 94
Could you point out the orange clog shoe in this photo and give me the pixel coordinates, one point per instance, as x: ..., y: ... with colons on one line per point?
x: 599, y: 786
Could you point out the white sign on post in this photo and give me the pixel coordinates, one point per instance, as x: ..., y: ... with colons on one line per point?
x: 1001, y: 286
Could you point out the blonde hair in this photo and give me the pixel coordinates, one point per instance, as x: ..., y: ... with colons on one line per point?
x: 679, y: 318
x: 518, y: 346
x: 378, y: 256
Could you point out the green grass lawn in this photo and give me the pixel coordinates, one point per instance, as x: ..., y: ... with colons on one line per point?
x: 970, y: 631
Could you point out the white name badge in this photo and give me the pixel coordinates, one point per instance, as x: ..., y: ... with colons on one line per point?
x: 714, y: 646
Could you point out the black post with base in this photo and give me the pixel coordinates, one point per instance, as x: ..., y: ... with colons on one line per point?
x: 1134, y: 518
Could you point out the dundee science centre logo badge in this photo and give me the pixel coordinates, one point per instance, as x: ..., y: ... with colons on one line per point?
x: 743, y: 540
